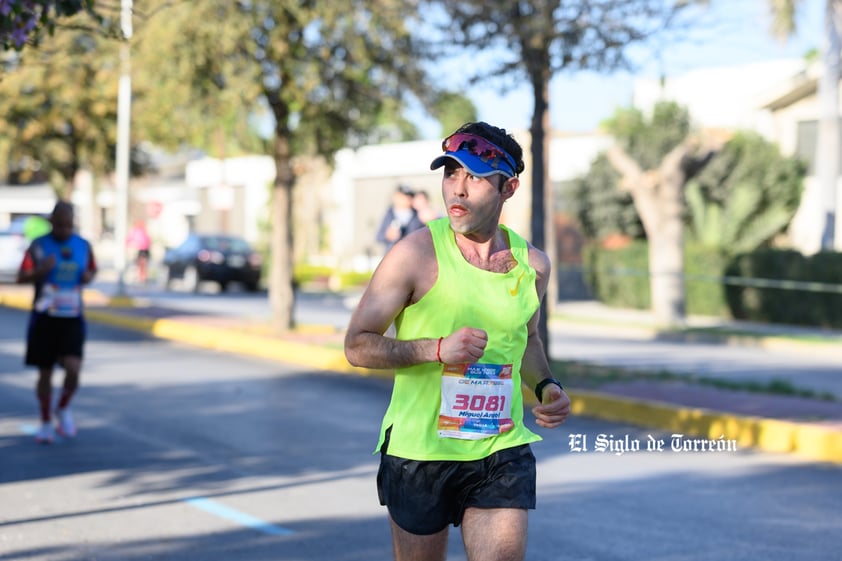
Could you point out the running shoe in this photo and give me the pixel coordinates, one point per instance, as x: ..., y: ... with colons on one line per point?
x: 66, y: 427
x: 45, y: 434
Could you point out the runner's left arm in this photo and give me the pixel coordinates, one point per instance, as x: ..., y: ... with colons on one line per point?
x: 91, y: 269
x: 555, y: 406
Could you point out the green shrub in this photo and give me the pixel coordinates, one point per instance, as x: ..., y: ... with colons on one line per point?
x: 798, y: 304
x: 323, y: 276
x: 705, y: 293
x: 620, y: 277
x: 304, y: 274
x: 744, y: 287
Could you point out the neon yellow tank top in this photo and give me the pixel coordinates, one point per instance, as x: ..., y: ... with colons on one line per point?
x: 462, y: 296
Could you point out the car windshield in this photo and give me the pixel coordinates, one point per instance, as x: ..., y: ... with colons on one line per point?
x: 226, y: 244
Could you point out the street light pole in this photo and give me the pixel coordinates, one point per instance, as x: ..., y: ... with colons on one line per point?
x: 827, y: 164
x: 124, y: 103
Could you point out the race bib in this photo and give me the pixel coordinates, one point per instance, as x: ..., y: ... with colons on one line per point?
x: 476, y: 400
x: 66, y: 303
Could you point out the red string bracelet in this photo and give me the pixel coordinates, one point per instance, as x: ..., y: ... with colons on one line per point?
x: 438, y: 351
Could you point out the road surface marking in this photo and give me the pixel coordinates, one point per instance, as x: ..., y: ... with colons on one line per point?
x: 242, y: 518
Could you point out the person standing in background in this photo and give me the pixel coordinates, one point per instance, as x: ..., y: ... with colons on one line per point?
x: 138, y: 240
x: 421, y: 204
x: 400, y: 218
x: 58, y: 263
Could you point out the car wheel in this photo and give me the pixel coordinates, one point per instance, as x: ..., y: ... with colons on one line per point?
x: 252, y: 286
x: 191, y: 279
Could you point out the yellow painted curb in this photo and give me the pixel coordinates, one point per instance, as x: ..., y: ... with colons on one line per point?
x: 229, y: 340
x: 811, y: 441
x: 121, y: 301
x: 19, y: 301
x: 22, y: 299
x: 272, y: 348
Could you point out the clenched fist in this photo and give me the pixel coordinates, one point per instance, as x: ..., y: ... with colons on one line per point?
x: 463, y: 346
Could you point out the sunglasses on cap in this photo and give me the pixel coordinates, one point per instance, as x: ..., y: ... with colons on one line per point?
x: 487, y: 151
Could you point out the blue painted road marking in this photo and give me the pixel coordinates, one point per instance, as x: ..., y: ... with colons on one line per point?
x: 210, y: 506
x: 242, y: 518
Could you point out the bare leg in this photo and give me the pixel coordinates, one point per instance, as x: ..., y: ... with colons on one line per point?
x: 412, y: 547
x: 72, y: 366
x: 44, y: 392
x: 495, y: 534
x: 141, y: 269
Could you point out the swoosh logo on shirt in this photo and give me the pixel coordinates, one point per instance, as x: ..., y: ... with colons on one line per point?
x: 516, y: 289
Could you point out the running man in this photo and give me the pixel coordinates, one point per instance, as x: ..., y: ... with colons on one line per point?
x: 464, y: 295
x: 58, y: 264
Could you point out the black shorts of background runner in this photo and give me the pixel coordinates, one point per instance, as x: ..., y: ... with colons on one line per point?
x: 49, y: 338
x: 423, y: 498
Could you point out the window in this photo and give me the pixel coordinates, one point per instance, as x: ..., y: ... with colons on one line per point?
x: 807, y: 140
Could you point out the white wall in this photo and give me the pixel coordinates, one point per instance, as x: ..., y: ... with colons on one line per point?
x: 15, y: 201
x: 721, y: 97
x: 254, y: 174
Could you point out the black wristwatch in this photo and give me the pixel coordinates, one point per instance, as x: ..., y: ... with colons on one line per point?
x: 539, y: 389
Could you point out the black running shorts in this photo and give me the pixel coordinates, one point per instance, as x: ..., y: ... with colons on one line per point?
x: 425, y: 497
x: 49, y: 338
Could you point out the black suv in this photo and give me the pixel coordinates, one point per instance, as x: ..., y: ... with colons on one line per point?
x: 222, y: 259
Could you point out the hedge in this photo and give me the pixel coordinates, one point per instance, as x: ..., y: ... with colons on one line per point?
x: 770, y: 285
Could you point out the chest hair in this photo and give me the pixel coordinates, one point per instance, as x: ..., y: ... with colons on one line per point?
x: 498, y: 262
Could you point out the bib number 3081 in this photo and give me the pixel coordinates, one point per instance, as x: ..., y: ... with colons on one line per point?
x: 465, y: 402
x: 475, y: 401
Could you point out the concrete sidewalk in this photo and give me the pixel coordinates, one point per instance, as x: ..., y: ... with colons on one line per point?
x: 809, y: 428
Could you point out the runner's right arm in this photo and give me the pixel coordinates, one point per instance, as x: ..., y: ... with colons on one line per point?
x: 406, y: 273
x: 391, y: 289
x: 32, y: 271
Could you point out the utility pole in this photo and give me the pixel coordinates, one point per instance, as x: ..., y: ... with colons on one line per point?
x: 828, y: 145
x: 124, y: 104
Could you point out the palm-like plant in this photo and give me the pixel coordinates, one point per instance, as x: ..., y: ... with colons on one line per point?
x: 744, y: 197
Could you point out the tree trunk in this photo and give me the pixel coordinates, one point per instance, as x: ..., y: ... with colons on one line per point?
x: 542, y: 223
x: 281, y: 294
x: 658, y: 196
x: 666, y: 258
x: 827, y: 143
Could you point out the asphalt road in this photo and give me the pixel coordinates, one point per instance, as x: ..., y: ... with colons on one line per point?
x: 186, y: 454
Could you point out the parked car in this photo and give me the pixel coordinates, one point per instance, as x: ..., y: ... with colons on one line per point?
x: 218, y: 258
x: 13, y: 244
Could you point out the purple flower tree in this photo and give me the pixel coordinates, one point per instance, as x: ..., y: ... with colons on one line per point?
x: 21, y: 21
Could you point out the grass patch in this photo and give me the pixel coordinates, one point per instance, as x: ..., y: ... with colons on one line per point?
x: 591, y: 376
x: 774, y: 387
x: 736, y: 332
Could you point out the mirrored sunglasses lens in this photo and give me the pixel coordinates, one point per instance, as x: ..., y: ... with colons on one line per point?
x: 477, y: 146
